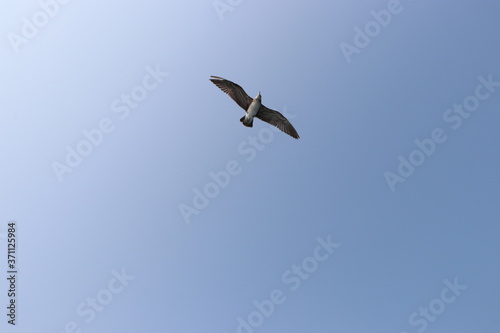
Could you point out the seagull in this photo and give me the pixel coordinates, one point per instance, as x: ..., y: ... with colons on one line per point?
x: 254, y: 107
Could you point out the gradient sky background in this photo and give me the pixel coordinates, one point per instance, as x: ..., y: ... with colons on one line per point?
x: 120, y: 207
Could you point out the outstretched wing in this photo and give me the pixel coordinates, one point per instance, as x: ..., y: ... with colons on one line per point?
x: 277, y: 119
x: 234, y: 91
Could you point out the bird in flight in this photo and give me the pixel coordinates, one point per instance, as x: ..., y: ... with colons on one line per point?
x: 254, y: 107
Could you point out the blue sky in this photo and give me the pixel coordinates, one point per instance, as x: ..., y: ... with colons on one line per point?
x: 383, y: 217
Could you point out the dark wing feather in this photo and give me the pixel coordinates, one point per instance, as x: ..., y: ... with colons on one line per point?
x: 234, y: 91
x: 277, y: 119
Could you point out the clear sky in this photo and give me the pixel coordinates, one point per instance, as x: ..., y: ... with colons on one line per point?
x: 143, y: 205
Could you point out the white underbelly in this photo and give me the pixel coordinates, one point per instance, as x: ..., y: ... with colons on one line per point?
x: 253, y: 109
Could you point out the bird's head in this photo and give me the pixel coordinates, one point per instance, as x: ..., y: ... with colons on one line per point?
x: 259, y: 97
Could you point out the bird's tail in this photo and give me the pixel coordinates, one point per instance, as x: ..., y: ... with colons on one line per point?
x: 247, y: 122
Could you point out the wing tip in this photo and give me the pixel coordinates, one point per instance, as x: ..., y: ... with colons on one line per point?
x: 295, y: 135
